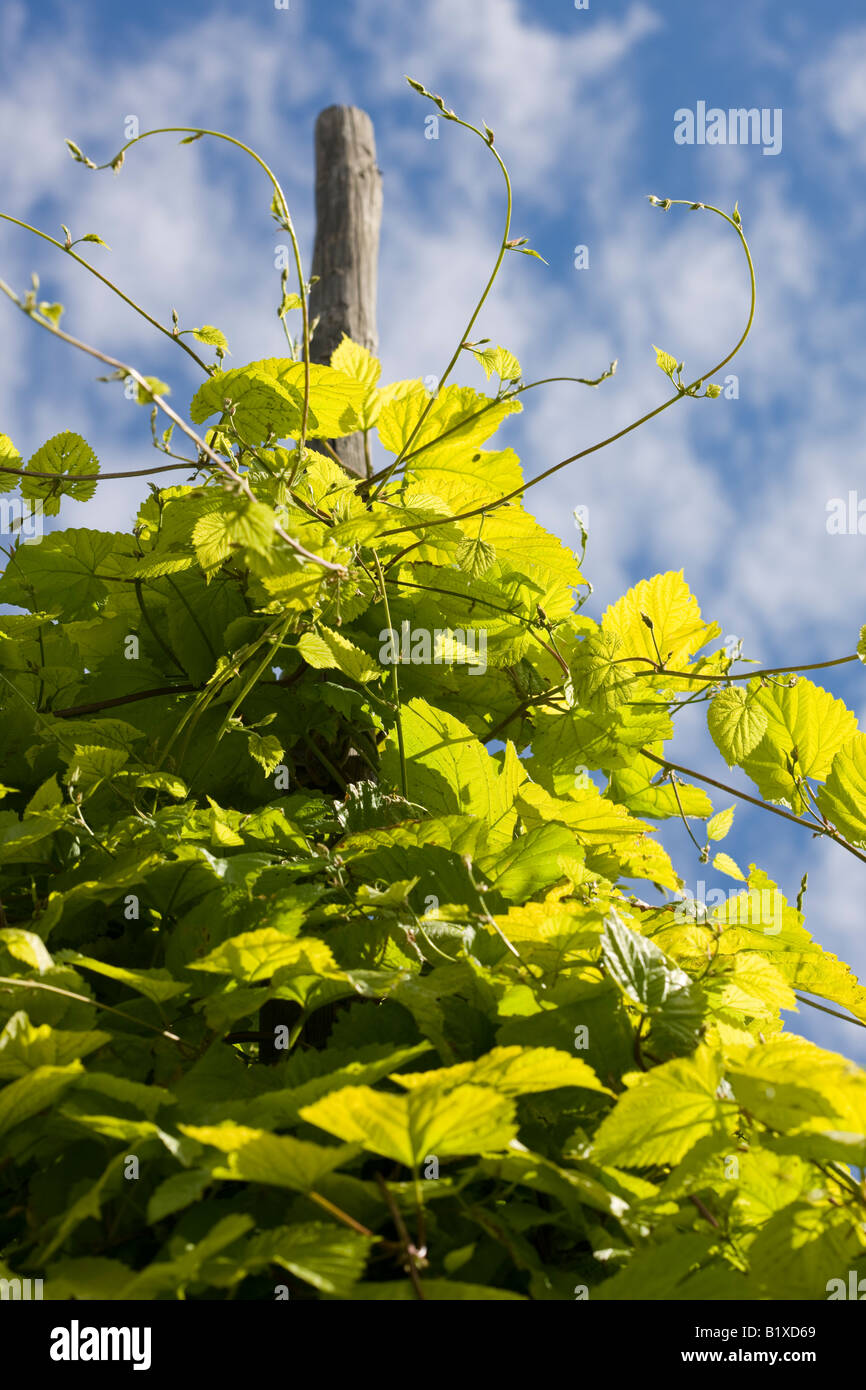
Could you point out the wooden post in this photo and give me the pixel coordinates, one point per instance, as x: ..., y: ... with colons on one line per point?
x: 346, y: 251
x: 346, y: 259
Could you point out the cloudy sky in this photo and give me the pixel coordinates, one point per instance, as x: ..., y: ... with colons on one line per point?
x: 583, y: 105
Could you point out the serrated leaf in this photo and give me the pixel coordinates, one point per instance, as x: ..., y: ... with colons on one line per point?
x: 152, y: 387
x: 406, y: 1128
x: 212, y: 336
x: 664, y: 1113
x: 805, y: 724
x: 64, y: 454
x: 726, y: 865
x: 236, y: 524
x: 31, y: 1093
x: 9, y: 458
x: 843, y: 798
x: 719, y: 824
x: 737, y: 724
x: 329, y: 650
x: 665, y: 362
x: 256, y: 955
x: 513, y: 1071
x: 277, y: 1160
x: 329, y: 1258
x: 267, y: 751
x: 677, y: 626
x: 475, y: 557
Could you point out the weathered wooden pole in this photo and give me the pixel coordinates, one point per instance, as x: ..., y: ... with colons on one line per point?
x: 346, y: 260
x: 346, y: 251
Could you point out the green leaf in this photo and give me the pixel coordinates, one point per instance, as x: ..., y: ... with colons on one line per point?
x: 31, y: 1093
x: 256, y: 955
x: 677, y: 629
x: 65, y: 454
x: 24, y: 1047
x: 806, y: 727
x: 475, y: 556
x: 719, y: 825
x: 450, y: 771
x: 236, y: 523
x: 499, y: 361
x: 513, y: 1071
x: 267, y: 751
x: 640, y: 969
x: 646, y: 976
x: 466, y: 1120
x: 326, y: 1256
x: 260, y: 405
x: 152, y: 387
x: 276, y: 1160
x: 664, y: 1113
x: 177, y: 1192
x: 329, y: 650
x: 212, y: 336
x: 737, y: 724
x: 843, y: 798
x: 9, y: 458
x: 26, y: 946
x: 665, y: 362
x: 357, y: 362
x: 156, y: 985
x: 726, y: 865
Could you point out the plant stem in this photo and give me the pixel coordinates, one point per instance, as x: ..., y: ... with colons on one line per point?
x: 104, y: 278
x: 754, y: 801
x: 225, y: 467
x: 395, y: 684
x: 620, y: 434
x: 476, y: 311
x: 94, y: 1003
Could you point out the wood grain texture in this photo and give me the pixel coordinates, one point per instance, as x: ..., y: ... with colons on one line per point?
x: 346, y: 251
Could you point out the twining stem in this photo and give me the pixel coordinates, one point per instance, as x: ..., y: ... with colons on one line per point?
x: 661, y: 670
x: 491, y: 405
x: 251, y: 681
x: 755, y: 801
x: 395, y: 684
x: 95, y: 705
x: 846, y: 1018
x: 478, y: 307
x: 487, y: 507
x: 673, y: 781
x: 287, y: 223
x: 5, y: 217
x: 471, y: 599
x: 341, y: 1215
x: 412, y: 1255
x: 239, y: 481
x: 105, y: 1008
x: 101, y: 477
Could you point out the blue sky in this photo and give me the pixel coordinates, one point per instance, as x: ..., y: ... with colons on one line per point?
x: 735, y: 492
